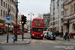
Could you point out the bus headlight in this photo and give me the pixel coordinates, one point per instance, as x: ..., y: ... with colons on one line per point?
x: 33, y: 34
x: 41, y: 35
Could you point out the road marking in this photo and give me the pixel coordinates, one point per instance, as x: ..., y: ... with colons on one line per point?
x: 49, y: 41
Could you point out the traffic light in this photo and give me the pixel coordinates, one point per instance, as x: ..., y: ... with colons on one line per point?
x: 23, y: 19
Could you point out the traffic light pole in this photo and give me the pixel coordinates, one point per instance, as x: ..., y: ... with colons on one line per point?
x: 68, y: 29
x: 23, y: 21
x: 68, y: 25
x: 22, y: 31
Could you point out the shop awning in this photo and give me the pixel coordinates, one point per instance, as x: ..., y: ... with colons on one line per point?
x: 2, y: 27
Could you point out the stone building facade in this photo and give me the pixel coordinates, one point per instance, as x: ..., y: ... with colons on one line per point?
x: 4, y: 5
x: 69, y: 15
x: 46, y: 18
x: 56, y: 15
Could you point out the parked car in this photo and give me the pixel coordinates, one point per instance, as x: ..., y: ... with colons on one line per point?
x: 45, y: 34
x: 50, y: 35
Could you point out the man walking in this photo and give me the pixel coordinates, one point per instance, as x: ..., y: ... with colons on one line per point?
x: 66, y: 36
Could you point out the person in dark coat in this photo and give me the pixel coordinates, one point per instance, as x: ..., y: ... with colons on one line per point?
x: 67, y: 36
x: 56, y: 34
x: 61, y: 34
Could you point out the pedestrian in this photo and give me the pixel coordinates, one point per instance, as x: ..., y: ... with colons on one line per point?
x: 56, y: 34
x: 47, y: 35
x: 66, y: 36
x: 61, y: 34
x: 70, y: 35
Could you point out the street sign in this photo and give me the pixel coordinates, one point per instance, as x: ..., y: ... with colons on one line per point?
x: 8, y: 21
x: 8, y: 17
x: 14, y: 38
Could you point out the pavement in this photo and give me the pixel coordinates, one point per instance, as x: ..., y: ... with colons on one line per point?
x: 71, y: 42
x: 18, y: 42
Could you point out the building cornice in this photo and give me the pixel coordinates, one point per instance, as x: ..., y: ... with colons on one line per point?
x: 67, y: 3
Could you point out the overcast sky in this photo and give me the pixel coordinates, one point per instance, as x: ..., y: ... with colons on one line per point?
x: 34, y: 6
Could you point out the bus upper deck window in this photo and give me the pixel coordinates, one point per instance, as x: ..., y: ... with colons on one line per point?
x: 35, y: 21
x: 40, y: 21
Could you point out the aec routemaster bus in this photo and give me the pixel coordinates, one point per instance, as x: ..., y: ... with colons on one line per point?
x: 37, y: 28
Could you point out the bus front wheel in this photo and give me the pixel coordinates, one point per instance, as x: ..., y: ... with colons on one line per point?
x: 42, y: 38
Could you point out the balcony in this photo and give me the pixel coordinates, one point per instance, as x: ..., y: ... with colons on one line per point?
x: 51, y: 26
x: 70, y: 17
x: 65, y: 22
x: 65, y: 18
x: 67, y: 2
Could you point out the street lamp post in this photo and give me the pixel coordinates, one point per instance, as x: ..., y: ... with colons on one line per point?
x: 16, y: 4
x: 31, y: 14
x: 16, y: 22
x: 8, y: 27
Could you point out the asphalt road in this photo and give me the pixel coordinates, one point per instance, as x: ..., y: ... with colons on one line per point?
x: 37, y: 44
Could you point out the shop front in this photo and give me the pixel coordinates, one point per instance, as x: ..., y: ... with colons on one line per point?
x: 2, y: 27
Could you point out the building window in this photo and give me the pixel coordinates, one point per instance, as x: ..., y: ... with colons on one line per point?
x: 61, y: 5
x: 66, y: 0
x: 6, y: 13
x: 4, y: 4
x: 62, y: 13
x: 53, y: 13
x: 8, y: 6
x: 1, y: 12
x: 66, y: 12
x: 71, y: 8
x: 52, y: 0
x: 74, y: 8
x: 1, y: 2
x: 53, y: 18
x: 54, y: 8
x: 53, y: 23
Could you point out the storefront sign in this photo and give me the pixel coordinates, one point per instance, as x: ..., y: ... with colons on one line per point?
x: 7, y: 21
x: 1, y: 24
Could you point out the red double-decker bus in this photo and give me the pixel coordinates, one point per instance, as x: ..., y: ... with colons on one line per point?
x: 37, y: 28
x: 18, y: 27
